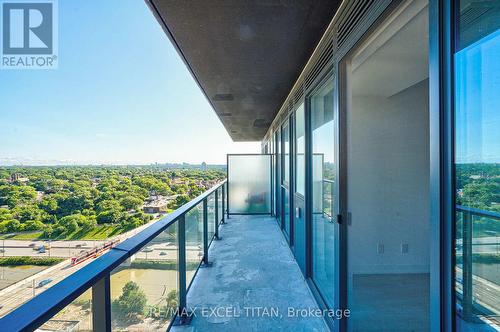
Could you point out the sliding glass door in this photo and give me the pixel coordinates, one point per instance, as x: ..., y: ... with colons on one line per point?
x: 285, y: 180
x: 299, y: 195
x: 277, y: 175
x: 386, y: 110
x: 324, y: 200
x: 477, y: 165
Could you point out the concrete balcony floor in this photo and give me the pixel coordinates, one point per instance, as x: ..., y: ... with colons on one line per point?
x: 253, y: 282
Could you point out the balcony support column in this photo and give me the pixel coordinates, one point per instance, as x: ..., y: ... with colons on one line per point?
x: 101, y: 305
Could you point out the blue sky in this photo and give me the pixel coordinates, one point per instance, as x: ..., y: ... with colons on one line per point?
x: 120, y: 95
x: 478, y: 101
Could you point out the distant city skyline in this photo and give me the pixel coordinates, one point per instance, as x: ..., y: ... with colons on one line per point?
x: 121, y: 95
x: 7, y: 162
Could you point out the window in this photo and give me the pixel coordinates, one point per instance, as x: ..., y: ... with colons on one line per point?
x: 323, y: 184
x: 300, y: 149
x: 286, y: 153
x: 477, y: 165
x: 387, y: 194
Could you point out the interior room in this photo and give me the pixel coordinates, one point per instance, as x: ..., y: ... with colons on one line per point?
x: 387, y: 121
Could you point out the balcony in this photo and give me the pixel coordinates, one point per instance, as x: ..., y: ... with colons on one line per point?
x: 253, y: 283
x: 139, y: 284
x: 199, y: 266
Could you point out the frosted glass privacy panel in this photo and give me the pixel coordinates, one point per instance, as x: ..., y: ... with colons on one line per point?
x: 249, y: 183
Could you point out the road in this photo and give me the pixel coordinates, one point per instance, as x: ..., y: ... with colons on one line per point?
x: 484, y: 245
x: 59, y: 248
x: 486, y: 294
x: 22, y: 291
x: 18, y: 293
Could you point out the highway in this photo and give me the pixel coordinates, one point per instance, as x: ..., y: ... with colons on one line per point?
x: 22, y: 291
x: 14, y: 295
x: 486, y: 294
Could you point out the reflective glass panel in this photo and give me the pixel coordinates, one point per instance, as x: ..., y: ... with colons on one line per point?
x: 211, y: 216
x: 323, y: 176
x: 477, y: 168
x: 194, y: 241
x: 76, y: 316
x: 286, y: 153
x: 300, y: 146
x: 144, y: 289
x: 387, y: 129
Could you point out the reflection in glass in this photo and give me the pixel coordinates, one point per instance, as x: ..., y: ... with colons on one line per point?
x: 211, y: 216
x: 194, y: 240
x: 286, y: 211
x: 300, y: 165
x: 323, y: 173
x: 286, y: 153
x: 278, y: 175
x: 477, y: 169
x: 387, y: 129
x: 219, y: 205
x: 76, y: 316
x: 144, y: 289
x: 285, y: 137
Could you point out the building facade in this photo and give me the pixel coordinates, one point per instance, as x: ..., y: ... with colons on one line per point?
x: 385, y: 149
x: 380, y: 121
x: 377, y: 149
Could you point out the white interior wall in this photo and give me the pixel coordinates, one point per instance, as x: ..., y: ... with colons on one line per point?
x: 388, y: 182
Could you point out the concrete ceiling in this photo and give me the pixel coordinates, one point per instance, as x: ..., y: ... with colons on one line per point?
x: 245, y: 55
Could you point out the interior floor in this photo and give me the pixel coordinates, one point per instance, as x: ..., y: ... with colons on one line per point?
x: 390, y: 302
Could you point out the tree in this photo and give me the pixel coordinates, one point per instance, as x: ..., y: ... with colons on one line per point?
x: 9, y: 226
x: 48, y: 204
x: 69, y: 224
x: 33, y: 225
x: 74, y: 203
x: 181, y: 200
x: 24, y: 213
x: 5, y: 215
x: 108, y: 204
x: 109, y: 217
x: 131, y: 203
x: 48, y: 231
x: 132, y: 301
x: 171, y: 301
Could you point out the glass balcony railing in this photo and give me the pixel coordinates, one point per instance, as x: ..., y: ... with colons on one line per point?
x: 140, y: 284
x: 477, y: 264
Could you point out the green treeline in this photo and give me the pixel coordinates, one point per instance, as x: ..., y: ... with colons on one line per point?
x: 478, y: 186
x: 70, y: 201
x: 28, y: 260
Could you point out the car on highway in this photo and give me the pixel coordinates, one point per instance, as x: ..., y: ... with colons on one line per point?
x: 41, y: 249
x: 148, y: 249
x: 44, y: 282
x: 163, y: 253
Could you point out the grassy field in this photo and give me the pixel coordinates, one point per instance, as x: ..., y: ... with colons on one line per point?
x: 100, y: 232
